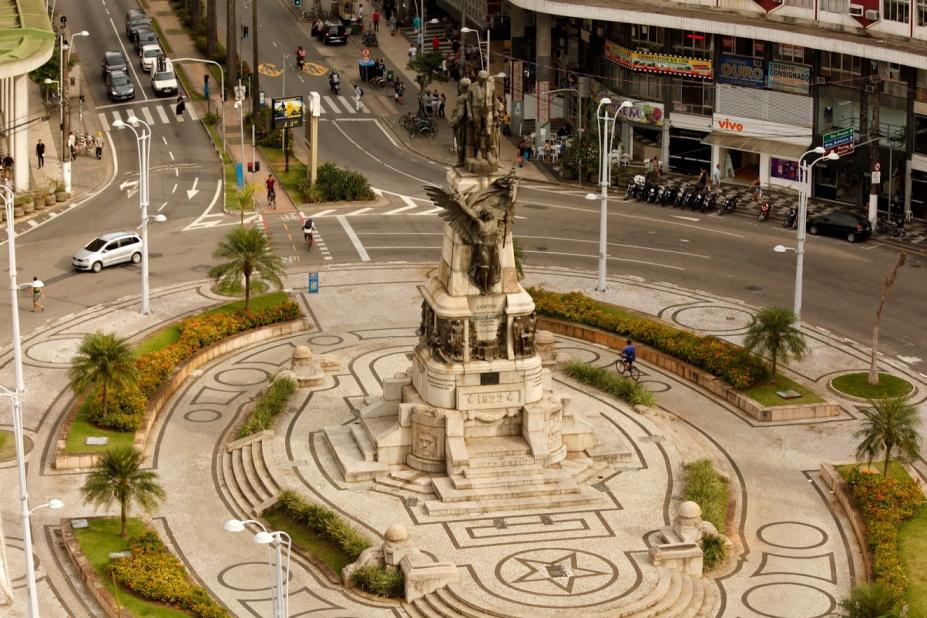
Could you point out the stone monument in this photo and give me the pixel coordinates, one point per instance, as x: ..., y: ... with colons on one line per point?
x: 476, y: 409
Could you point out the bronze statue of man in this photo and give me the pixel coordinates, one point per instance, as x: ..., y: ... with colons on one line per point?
x: 460, y: 121
x: 481, y: 109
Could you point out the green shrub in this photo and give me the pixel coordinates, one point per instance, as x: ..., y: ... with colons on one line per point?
x: 719, y: 358
x: 714, y: 552
x: 154, y: 573
x: 870, y: 600
x: 707, y: 489
x: 378, y: 580
x: 125, y: 409
x: 600, y: 378
x: 271, y: 402
x: 334, y: 184
x: 324, y: 522
x: 211, y: 118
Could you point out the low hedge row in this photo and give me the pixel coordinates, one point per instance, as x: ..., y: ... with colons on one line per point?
x: 271, y: 402
x: 885, y: 504
x: 126, y: 409
x: 719, y: 358
x: 154, y: 573
x: 379, y: 580
x: 705, y: 487
x: 324, y: 522
x: 602, y: 379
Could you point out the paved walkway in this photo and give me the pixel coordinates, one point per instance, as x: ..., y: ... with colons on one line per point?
x: 797, y: 554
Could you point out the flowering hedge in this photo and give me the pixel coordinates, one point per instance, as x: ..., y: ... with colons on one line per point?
x: 154, y: 573
x: 725, y: 360
x: 127, y: 408
x: 885, y: 504
x: 271, y: 402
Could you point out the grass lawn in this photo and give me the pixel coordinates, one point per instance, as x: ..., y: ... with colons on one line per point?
x: 309, y: 541
x: 895, y: 469
x: 291, y: 179
x: 102, y: 538
x: 83, y: 428
x: 7, y: 445
x: 231, y: 178
x: 765, y: 393
x: 857, y: 385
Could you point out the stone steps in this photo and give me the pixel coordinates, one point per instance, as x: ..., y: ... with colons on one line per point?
x: 507, y: 480
x: 247, y: 477
x: 509, y: 461
x: 366, y: 446
x: 583, y: 497
x: 398, y: 483
x: 497, y: 446
x: 446, y: 491
x: 501, y: 470
x: 348, y: 455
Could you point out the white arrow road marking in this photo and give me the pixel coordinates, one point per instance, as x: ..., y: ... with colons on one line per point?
x: 174, y: 190
x: 354, y: 239
x: 160, y: 208
x: 129, y: 186
x: 685, y: 218
x: 194, y: 190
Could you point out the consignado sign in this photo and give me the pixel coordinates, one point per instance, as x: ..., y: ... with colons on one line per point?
x: 789, y: 77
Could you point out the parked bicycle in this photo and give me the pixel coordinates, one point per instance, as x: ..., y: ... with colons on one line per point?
x: 422, y: 126
x: 891, y: 226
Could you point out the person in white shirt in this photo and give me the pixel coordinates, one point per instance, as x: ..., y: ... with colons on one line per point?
x: 358, y: 93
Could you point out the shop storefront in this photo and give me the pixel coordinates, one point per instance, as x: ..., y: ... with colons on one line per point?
x: 747, y: 148
x: 687, y: 153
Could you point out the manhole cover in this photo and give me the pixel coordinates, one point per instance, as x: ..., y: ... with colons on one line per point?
x: 411, y: 501
x: 556, y: 570
x: 754, y: 288
x: 546, y: 520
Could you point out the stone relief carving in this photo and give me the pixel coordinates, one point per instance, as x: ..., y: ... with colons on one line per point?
x: 447, y: 341
x: 523, y: 331
x: 488, y: 349
x: 427, y: 327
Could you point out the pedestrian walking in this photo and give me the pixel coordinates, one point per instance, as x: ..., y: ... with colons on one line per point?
x: 444, y: 67
x: 757, y: 190
x: 360, y: 13
x: 412, y: 51
x: 270, y: 184
x: 72, y: 144
x: 392, y: 24
x: 435, y: 44
x: 358, y: 95
x: 181, y: 105
x: 716, y: 177
x: 441, y: 105
x: 38, y: 291
x: 398, y: 91
x: 436, y: 104
x: 7, y: 166
x: 40, y: 153
x: 375, y: 18
x: 98, y: 145
x: 416, y: 23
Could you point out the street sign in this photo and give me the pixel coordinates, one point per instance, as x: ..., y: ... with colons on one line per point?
x: 239, y: 93
x: 313, y: 283
x: 840, y: 141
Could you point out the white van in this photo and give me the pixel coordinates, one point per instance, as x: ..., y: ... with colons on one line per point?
x: 163, y: 80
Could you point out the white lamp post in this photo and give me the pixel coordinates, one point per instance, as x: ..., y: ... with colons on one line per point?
x: 483, y: 65
x: 25, y: 513
x: 6, y: 192
x: 281, y: 575
x: 804, y: 190
x: 64, y: 103
x: 221, y: 90
x: 421, y: 45
x: 143, y: 142
x: 606, y: 135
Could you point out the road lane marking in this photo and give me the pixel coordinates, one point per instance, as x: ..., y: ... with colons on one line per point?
x: 131, y: 64
x: 161, y: 207
x: 694, y: 219
x: 116, y: 117
x: 32, y: 223
x: 192, y: 111
x: 161, y: 114
x: 174, y: 190
x: 354, y: 239
x: 164, y: 139
x: 433, y: 211
x: 147, y: 114
x: 386, y: 133
x: 346, y: 104
x: 410, y: 204
x: 192, y: 192
x: 102, y: 117
x: 357, y: 212
x: 171, y: 154
x: 332, y: 105
x: 378, y: 160
x: 323, y: 212
x: 618, y: 244
x: 614, y: 259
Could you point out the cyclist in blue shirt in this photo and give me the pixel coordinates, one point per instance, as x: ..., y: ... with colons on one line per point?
x: 630, y: 354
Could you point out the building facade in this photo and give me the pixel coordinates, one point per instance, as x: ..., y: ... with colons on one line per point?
x: 745, y: 84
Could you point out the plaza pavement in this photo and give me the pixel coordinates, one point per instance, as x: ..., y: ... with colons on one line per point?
x: 797, y: 554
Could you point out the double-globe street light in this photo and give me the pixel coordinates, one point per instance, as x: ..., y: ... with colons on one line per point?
x: 143, y: 143
x: 64, y: 110
x: 281, y: 575
x: 804, y: 191
x: 483, y: 65
x: 606, y: 124
x: 6, y: 193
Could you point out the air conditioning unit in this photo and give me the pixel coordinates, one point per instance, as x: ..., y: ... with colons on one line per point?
x: 869, y: 88
x: 872, y: 15
x: 856, y: 10
x: 778, y: 1
x: 820, y: 80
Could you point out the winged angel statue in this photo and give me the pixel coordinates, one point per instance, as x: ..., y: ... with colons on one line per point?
x: 483, y: 219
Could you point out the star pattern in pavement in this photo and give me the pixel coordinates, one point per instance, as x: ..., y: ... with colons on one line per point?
x: 561, y: 572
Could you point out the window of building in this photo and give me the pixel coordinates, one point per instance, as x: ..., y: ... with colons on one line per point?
x: 802, y: 4
x: 646, y: 35
x: 922, y: 12
x: 896, y: 10
x: 835, y: 6
x: 693, y: 97
x: 695, y: 44
x: 743, y: 47
x: 789, y: 53
x: 840, y: 67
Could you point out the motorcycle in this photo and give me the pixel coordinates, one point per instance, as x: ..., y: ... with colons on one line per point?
x: 791, y: 217
x: 709, y: 201
x: 370, y: 39
x: 729, y: 204
x: 334, y: 85
x: 764, y: 212
x: 658, y: 195
x: 685, y: 197
x: 700, y: 195
x: 635, y: 187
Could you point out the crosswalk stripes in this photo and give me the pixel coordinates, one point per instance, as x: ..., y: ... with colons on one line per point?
x: 340, y: 104
x: 161, y: 114
x: 147, y: 114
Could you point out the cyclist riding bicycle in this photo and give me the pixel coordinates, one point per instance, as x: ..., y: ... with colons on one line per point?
x: 300, y: 56
x: 629, y: 354
x: 271, y: 184
x: 308, y: 229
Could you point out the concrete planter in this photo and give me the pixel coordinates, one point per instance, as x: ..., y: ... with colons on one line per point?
x: 28, y: 207
x: 88, y: 574
x: 61, y: 196
x: 693, y: 374
x: 50, y: 199
x: 18, y: 211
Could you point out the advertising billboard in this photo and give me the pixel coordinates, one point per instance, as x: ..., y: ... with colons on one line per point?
x: 789, y: 77
x: 741, y: 71
x: 287, y: 112
x: 657, y: 63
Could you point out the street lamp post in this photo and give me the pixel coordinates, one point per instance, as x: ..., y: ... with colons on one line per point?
x: 240, y: 106
x: 65, y: 111
x: 483, y: 65
x: 6, y: 192
x: 281, y: 575
x: 221, y: 89
x: 143, y: 143
x: 606, y: 134
x: 804, y: 190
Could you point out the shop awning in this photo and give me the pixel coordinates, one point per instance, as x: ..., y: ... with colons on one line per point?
x: 781, y: 150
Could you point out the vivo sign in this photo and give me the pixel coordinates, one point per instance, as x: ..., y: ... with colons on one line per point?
x: 726, y: 124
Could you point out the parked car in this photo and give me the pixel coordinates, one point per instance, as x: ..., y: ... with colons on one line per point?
x: 136, y: 20
x: 149, y: 56
x: 334, y: 33
x: 143, y: 38
x: 119, y: 87
x: 163, y: 80
x: 113, y: 61
x: 840, y: 224
x: 107, y: 250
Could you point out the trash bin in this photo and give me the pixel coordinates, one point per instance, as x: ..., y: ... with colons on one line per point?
x: 367, y: 69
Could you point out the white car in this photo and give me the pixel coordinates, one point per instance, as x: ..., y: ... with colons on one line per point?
x: 149, y: 56
x: 107, y: 250
x: 163, y: 80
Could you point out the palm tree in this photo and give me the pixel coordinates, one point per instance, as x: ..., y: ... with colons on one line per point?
x: 118, y: 477
x: 773, y: 332
x: 889, y: 425
x: 246, y: 254
x: 871, y: 600
x: 244, y: 199
x: 102, y: 361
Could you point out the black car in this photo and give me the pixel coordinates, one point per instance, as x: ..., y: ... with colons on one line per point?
x: 113, y: 61
x: 841, y: 225
x: 334, y: 33
x: 143, y: 38
x: 135, y: 23
x: 119, y: 87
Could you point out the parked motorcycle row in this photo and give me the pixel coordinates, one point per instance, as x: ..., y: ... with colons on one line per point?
x: 684, y: 195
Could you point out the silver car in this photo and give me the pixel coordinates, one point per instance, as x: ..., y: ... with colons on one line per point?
x: 109, y: 249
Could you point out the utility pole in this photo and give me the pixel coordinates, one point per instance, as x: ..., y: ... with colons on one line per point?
x: 255, y: 74
x: 195, y: 13
x: 231, y: 42
x: 874, y: 147
x: 212, y: 29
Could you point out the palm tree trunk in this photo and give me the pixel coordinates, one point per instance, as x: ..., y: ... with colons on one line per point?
x: 195, y: 15
x: 773, y: 378
x: 212, y: 28
x: 231, y: 47
x: 103, y: 402
x: 247, y: 289
x: 886, y: 288
x: 888, y: 454
x: 255, y: 74
x: 122, y: 515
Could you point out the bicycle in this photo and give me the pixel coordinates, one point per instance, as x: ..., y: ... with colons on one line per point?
x: 890, y: 226
x: 309, y: 239
x: 272, y: 199
x: 622, y: 366
x: 423, y: 126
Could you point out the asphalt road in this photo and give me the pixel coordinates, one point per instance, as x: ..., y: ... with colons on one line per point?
x: 729, y: 256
